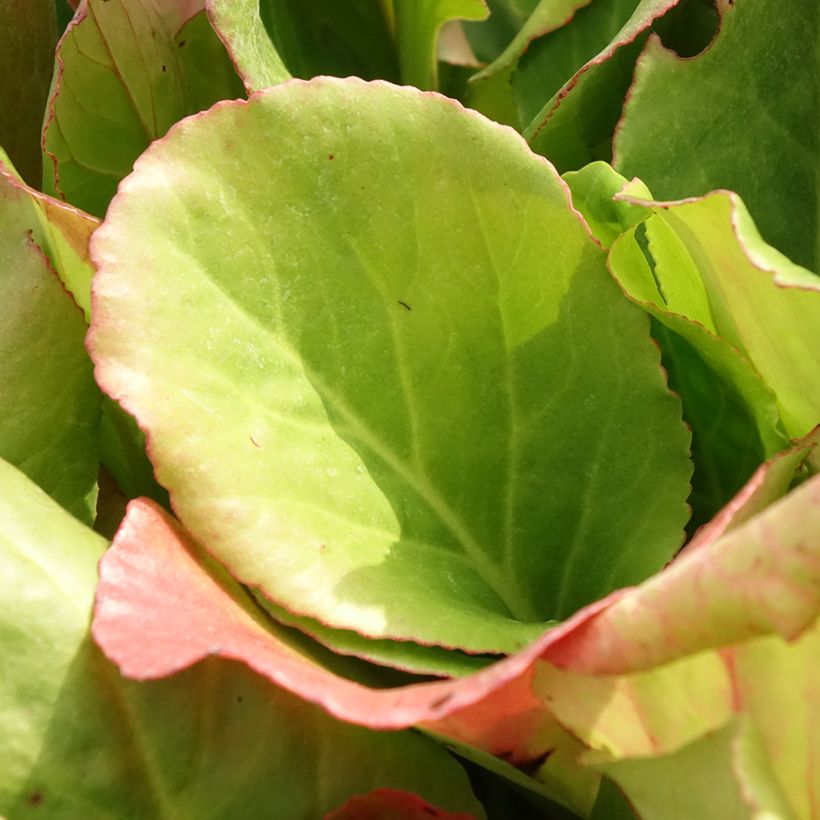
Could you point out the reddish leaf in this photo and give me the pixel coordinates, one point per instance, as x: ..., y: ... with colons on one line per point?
x: 159, y: 611
x: 389, y: 804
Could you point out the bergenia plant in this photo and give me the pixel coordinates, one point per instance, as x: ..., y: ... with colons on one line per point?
x: 408, y: 409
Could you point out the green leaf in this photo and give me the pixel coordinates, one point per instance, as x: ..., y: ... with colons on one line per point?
x: 27, y: 38
x: 712, y: 267
x: 779, y: 683
x: 239, y: 25
x: 489, y: 37
x: 63, y: 233
x: 727, y: 443
x: 404, y: 655
x: 126, y: 71
x: 411, y: 381
x: 270, y: 40
x: 551, y: 60
x: 77, y: 740
x: 593, y: 190
x: 547, y: 16
x: 418, y: 23
x: 49, y: 404
x: 715, y: 777
x: 574, y: 125
x: 735, y: 117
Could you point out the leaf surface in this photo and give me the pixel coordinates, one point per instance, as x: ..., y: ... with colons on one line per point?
x: 594, y: 188
x: 711, y: 778
x: 63, y: 233
x: 713, y: 268
x: 751, y: 95
x: 418, y: 23
x: 214, y: 742
x: 238, y: 23
x: 378, y: 415
x: 574, y: 126
x: 158, y: 611
x: 126, y: 71
x: 49, y: 404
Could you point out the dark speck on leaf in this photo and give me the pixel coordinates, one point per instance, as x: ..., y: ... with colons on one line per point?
x: 181, y: 43
x: 164, y: 68
x: 36, y: 799
x: 239, y: 698
x: 255, y: 443
x: 405, y: 305
x: 330, y: 156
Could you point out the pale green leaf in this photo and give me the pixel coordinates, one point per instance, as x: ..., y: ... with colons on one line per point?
x: 78, y: 740
x: 411, y: 381
x: 418, y: 23
x: 49, y: 403
x: 713, y: 269
x: 126, y: 71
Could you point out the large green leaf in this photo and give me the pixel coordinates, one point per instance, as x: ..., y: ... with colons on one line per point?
x: 712, y: 268
x: 76, y: 740
x: 49, y: 404
x: 126, y: 71
x: 741, y: 116
x: 411, y: 381
x: 28, y: 34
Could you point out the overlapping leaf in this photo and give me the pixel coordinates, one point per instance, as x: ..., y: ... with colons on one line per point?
x: 712, y: 268
x: 50, y: 405
x: 574, y: 125
x: 78, y: 741
x: 740, y: 116
x: 126, y: 71
x: 610, y: 674
x: 411, y: 383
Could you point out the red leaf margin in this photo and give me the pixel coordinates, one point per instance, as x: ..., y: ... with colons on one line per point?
x: 391, y: 804
x: 159, y: 611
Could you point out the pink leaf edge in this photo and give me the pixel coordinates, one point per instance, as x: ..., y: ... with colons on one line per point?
x: 159, y: 611
x: 390, y: 804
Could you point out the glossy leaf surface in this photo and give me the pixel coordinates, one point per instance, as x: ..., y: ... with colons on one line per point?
x: 126, y: 71
x: 50, y: 404
x: 740, y: 116
x: 439, y: 445
x: 167, y: 748
x: 713, y: 269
